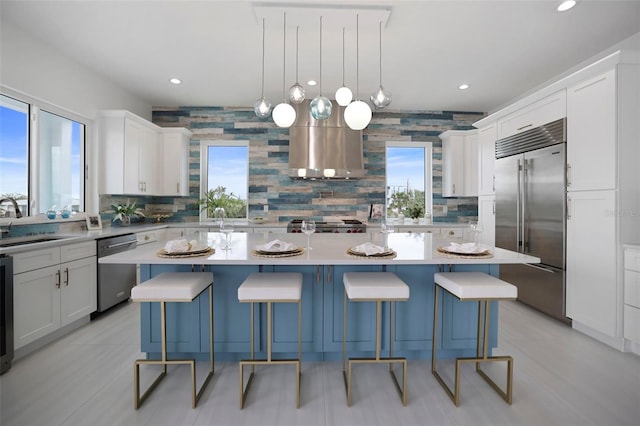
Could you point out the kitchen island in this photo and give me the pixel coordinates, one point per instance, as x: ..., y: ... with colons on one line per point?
x: 416, y: 260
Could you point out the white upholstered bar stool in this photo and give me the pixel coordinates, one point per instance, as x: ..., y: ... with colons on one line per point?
x: 173, y: 287
x: 269, y: 288
x: 375, y: 287
x: 484, y: 288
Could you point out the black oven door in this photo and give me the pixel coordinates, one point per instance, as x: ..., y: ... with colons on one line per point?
x: 6, y: 313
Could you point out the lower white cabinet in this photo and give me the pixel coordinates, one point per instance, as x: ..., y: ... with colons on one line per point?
x: 593, y: 290
x: 58, y: 291
x: 632, y: 296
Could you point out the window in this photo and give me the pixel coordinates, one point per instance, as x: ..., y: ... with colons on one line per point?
x: 408, y: 173
x: 224, y: 171
x: 42, y: 158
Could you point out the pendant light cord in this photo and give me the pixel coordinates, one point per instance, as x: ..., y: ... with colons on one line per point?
x: 284, y: 57
x: 380, y: 44
x: 263, y: 58
x: 321, y: 56
x: 297, y: 30
x: 342, y: 56
x: 357, y: 56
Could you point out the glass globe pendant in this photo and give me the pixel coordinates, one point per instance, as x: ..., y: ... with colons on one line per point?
x: 380, y: 98
x: 343, y: 94
x: 357, y: 114
x: 320, y: 107
x: 284, y: 114
x: 296, y: 92
x: 262, y: 107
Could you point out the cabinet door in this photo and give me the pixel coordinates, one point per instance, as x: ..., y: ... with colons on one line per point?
x: 548, y: 109
x: 174, y: 164
x: 79, y: 292
x: 36, y: 301
x: 470, y: 161
x: 452, y: 155
x: 148, y: 160
x: 132, y: 149
x: 592, y: 283
x: 487, y: 218
x: 487, y: 160
x: 591, y: 134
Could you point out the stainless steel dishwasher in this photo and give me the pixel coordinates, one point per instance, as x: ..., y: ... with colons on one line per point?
x: 115, y: 281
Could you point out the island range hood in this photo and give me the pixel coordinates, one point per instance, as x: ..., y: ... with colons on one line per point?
x: 324, y: 149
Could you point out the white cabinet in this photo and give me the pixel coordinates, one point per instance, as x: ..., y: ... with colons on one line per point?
x: 459, y: 163
x: 632, y: 297
x: 53, y: 288
x: 487, y: 218
x: 128, y: 153
x: 487, y: 137
x: 592, y: 278
x: 140, y: 157
x: 174, y: 162
x: 591, y: 133
x: 147, y: 237
x: 550, y: 108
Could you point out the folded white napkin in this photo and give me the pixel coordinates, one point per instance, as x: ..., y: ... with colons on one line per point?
x: 275, y: 245
x: 368, y: 248
x: 177, y: 246
x: 464, y: 248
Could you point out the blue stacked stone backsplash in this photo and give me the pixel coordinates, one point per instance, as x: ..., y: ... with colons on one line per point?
x: 286, y: 198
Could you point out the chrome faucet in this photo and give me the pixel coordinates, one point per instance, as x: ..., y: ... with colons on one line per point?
x: 15, y: 205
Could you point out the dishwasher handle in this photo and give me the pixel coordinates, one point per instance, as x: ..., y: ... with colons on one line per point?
x: 126, y: 243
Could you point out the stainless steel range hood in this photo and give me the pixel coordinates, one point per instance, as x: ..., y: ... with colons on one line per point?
x: 324, y: 149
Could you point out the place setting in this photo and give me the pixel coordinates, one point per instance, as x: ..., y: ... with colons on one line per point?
x: 277, y: 248
x: 183, y: 248
x: 469, y: 250
x: 374, y: 251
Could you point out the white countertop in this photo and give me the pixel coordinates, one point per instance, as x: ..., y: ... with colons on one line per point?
x: 327, y: 249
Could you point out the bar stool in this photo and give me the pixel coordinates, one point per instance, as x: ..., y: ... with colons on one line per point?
x: 484, y: 288
x: 269, y: 288
x: 374, y: 287
x: 173, y: 287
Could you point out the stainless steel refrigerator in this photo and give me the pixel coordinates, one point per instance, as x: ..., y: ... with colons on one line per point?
x: 531, y: 211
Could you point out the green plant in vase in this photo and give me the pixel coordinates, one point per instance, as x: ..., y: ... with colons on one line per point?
x: 415, y: 211
x: 124, y: 212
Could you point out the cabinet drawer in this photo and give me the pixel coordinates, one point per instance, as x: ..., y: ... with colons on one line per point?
x: 36, y: 259
x: 78, y: 251
x: 632, y: 323
x: 632, y: 288
x: 452, y: 232
x: 548, y: 109
x: 147, y: 237
x: 632, y: 260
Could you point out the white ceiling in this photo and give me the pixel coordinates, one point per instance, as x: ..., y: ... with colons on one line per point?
x: 501, y: 48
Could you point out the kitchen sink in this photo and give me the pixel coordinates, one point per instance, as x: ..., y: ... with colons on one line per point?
x: 32, y: 239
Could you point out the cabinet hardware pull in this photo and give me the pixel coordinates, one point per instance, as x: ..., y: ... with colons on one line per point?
x: 58, y: 278
x: 330, y: 277
x: 453, y: 189
x: 524, y: 127
x: 494, y: 183
x: 177, y: 187
x: 568, y: 208
x: 317, y: 274
x: 66, y: 277
x: 568, y: 174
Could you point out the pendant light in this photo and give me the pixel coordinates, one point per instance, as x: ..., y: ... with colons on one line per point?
x: 357, y: 114
x: 381, y: 98
x: 296, y: 92
x: 320, y: 106
x: 343, y: 94
x: 262, y: 107
x: 283, y: 114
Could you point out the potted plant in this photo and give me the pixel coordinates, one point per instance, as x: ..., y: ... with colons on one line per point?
x: 415, y: 212
x: 123, y: 212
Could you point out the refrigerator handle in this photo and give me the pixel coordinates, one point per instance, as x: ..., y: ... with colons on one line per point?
x: 523, y: 221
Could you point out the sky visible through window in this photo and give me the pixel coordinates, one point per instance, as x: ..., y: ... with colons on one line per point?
x: 228, y: 167
x: 13, y: 151
x: 405, y: 169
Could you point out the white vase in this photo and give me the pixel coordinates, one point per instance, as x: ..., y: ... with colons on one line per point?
x: 125, y: 221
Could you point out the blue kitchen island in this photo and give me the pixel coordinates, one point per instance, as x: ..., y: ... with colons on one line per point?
x: 416, y: 261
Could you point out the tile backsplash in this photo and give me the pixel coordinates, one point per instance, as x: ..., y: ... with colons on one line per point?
x: 269, y: 183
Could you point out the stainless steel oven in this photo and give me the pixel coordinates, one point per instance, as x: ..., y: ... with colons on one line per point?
x: 6, y: 313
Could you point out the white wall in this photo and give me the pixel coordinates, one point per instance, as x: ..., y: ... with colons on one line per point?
x: 30, y: 66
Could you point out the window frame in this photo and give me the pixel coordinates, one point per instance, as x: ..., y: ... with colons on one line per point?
x: 37, y: 105
x: 204, y: 168
x: 428, y: 171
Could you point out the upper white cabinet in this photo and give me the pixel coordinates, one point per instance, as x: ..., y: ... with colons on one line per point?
x: 550, y: 108
x: 459, y: 163
x: 487, y: 137
x: 139, y: 158
x: 174, y: 162
x: 591, y: 133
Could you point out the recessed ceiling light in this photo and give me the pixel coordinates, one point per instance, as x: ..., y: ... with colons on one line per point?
x: 566, y: 5
x: 175, y: 80
x: 312, y: 82
x: 463, y: 86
